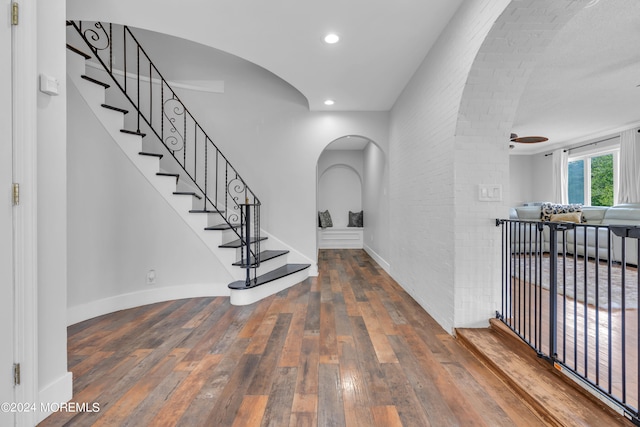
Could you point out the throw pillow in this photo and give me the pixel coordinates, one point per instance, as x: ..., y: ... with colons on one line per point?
x: 567, y: 217
x: 355, y: 219
x: 548, y: 209
x: 324, y: 218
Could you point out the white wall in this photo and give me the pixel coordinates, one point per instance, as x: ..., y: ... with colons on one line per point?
x: 447, y: 137
x: 542, y: 184
x: 262, y: 124
x: 521, y: 180
x: 376, y: 204
x: 120, y: 228
x: 53, y: 378
x: 422, y: 156
x: 340, y: 182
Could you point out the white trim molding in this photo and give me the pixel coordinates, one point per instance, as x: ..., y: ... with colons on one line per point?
x: 25, y: 113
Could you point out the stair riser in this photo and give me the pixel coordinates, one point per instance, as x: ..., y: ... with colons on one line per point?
x: 249, y: 296
x: 264, y: 245
x: 265, y: 267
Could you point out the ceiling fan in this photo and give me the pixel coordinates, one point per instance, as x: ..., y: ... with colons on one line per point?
x: 527, y: 139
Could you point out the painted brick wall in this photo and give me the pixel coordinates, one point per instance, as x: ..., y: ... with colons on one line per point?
x: 422, y: 163
x: 496, y: 81
x: 449, y: 132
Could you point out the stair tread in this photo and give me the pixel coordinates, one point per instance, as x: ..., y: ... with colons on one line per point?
x: 263, y: 256
x: 78, y: 51
x: 276, y: 274
x: 188, y: 193
x: 114, y: 108
x: 223, y: 226
x: 144, y: 153
x: 207, y: 211
x: 238, y: 243
x: 133, y: 132
x: 98, y: 82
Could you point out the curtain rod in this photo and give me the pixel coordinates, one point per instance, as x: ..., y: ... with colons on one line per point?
x: 587, y: 144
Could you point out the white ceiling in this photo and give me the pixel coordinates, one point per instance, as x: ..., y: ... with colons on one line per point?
x: 382, y: 41
x: 585, y: 85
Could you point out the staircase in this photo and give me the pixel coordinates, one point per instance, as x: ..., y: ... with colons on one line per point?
x: 147, y: 120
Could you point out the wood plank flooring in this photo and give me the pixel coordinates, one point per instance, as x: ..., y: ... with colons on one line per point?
x: 348, y: 348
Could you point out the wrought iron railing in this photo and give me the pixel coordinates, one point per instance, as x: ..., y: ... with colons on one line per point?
x: 570, y: 291
x: 200, y: 164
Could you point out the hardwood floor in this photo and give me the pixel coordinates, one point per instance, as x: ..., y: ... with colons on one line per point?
x: 348, y: 348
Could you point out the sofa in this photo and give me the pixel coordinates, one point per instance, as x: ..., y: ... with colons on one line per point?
x: 594, y: 220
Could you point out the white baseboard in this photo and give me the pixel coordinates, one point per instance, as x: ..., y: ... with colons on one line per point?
x: 381, y: 262
x: 51, y: 396
x: 135, y: 299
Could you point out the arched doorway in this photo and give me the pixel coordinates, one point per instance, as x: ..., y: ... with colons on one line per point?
x: 495, y: 83
x: 352, y: 176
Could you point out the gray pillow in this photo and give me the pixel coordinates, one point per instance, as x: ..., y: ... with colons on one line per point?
x: 355, y: 219
x: 324, y: 218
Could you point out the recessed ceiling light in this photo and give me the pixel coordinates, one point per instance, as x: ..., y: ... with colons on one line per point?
x: 331, y: 38
x: 329, y: 102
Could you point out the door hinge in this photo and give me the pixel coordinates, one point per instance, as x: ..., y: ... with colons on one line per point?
x: 16, y: 374
x: 16, y: 194
x: 14, y: 13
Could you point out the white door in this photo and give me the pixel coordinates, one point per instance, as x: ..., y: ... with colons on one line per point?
x: 6, y: 225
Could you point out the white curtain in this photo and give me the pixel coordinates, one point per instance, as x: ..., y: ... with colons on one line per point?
x: 561, y: 176
x: 629, y: 187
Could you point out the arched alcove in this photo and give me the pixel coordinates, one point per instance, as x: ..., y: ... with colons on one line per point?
x: 340, y: 191
x: 352, y: 176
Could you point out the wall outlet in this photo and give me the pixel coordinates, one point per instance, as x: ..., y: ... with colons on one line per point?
x: 151, y: 277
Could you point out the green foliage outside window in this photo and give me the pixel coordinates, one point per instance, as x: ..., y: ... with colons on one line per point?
x: 602, y: 180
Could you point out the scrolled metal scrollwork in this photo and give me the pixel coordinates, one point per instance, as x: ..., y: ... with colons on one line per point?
x: 236, y: 190
x: 97, y: 37
x: 173, y: 110
x: 236, y: 187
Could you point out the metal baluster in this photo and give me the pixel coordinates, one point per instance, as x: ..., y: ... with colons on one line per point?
x: 111, y: 48
x: 586, y: 306
x: 553, y: 277
x: 138, y: 83
x: 162, y: 111
x: 184, y: 136
x: 248, y: 243
x: 539, y: 261
x: 150, y: 94
x: 609, y: 314
x: 575, y: 301
x: 597, y: 296
x: 215, y: 181
x: 226, y: 188
x: 564, y: 291
x: 206, y: 171
x: 195, y: 152
x: 624, y: 323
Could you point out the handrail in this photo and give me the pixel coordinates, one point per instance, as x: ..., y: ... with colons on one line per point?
x: 222, y: 188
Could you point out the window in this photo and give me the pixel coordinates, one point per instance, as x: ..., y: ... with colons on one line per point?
x: 593, y: 178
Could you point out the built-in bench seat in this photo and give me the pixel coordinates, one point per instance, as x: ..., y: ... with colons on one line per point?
x: 340, y: 238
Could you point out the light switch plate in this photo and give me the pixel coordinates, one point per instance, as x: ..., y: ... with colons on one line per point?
x: 490, y: 192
